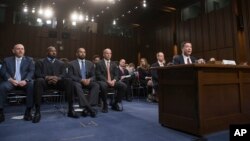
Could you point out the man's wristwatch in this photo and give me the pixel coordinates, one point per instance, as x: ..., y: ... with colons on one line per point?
x: 27, y: 80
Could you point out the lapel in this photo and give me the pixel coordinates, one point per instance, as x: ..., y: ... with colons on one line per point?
x: 13, y: 66
x: 77, y: 67
x: 104, y: 66
x: 182, y: 60
x: 22, y: 65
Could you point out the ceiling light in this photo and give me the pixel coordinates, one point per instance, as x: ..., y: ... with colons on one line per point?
x: 114, y: 22
x: 92, y: 19
x: 25, y: 9
x: 73, y: 23
x: 33, y: 10
x: 129, y: 12
x: 39, y: 20
x: 87, y: 18
x: 144, y: 4
x: 48, y: 22
x: 48, y: 13
x: 40, y: 11
x: 80, y: 18
x: 74, y: 16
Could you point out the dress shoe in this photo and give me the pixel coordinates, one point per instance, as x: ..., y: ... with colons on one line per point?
x: 116, y: 107
x: 129, y: 99
x: 105, y: 109
x: 72, y: 114
x: 92, y: 112
x: 2, y: 117
x: 27, y: 115
x: 37, y: 117
x: 85, y: 113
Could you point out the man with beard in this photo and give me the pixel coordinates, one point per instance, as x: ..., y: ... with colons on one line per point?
x: 82, y: 72
x: 50, y: 74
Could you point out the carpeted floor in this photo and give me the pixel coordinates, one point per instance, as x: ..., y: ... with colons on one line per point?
x: 138, y: 122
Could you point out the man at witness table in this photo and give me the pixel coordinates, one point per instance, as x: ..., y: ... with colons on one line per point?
x: 185, y: 57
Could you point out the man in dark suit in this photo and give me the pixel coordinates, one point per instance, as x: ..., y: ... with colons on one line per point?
x: 160, y: 63
x: 126, y: 78
x: 82, y: 72
x: 107, y: 77
x: 17, y: 72
x: 50, y: 74
x: 186, y: 57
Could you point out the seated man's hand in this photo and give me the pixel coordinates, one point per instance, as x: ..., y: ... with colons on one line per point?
x: 13, y: 82
x: 85, y: 82
x: 111, y: 83
x: 22, y: 83
x: 201, y: 61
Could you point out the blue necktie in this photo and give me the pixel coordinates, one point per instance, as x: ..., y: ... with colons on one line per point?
x: 83, y: 70
x: 18, y: 74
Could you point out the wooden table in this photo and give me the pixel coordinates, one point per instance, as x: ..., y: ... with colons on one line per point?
x: 203, y: 98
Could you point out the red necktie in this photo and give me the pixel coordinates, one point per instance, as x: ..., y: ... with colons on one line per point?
x: 108, y: 71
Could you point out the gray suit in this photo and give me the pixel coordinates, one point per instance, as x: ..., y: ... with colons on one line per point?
x: 93, y: 87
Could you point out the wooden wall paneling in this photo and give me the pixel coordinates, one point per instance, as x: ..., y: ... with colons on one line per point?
x: 209, y: 54
x: 228, y: 26
x: 199, y: 37
x: 212, y: 28
x: 180, y: 35
x: 246, y: 17
x: 193, y: 35
x: 187, y: 31
x: 226, y: 53
x: 205, y: 33
x: 220, y: 28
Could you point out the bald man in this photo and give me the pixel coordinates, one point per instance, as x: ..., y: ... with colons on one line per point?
x: 17, y: 72
x: 107, y: 76
x: 50, y: 74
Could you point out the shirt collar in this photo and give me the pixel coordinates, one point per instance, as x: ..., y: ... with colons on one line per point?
x: 80, y: 60
x: 161, y: 63
x: 18, y: 58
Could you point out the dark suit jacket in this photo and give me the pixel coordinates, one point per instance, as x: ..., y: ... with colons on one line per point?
x: 154, y: 72
x: 27, y: 68
x: 101, y: 71
x: 75, y: 71
x: 45, y: 68
x: 180, y: 60
x: 122, y: 74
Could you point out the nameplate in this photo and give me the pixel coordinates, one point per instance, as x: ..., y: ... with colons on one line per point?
x: 240, y: 132
x: 228, y: 62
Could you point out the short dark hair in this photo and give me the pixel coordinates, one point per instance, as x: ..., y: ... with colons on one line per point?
x: 184, y: 42
x: 95, y: 56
